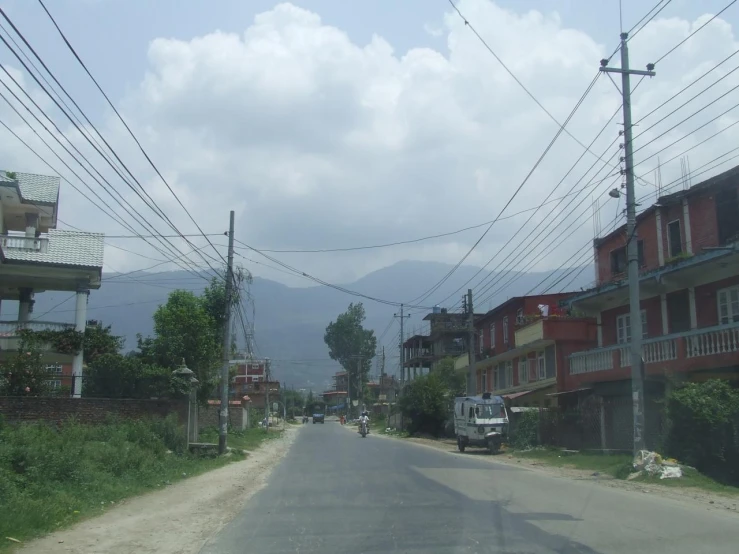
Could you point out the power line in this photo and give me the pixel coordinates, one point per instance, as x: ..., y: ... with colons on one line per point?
x: 115, y: 110
x: 151, y: 203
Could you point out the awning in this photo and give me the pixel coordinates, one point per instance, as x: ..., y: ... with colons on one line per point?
x: 569, y: 391
x: 514, y: 395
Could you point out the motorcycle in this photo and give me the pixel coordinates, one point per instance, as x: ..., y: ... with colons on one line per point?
x: 305, y: 419
x: 363, y: 428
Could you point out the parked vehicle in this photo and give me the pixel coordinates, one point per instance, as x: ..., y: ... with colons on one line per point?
x: 480, y: 421
x: 318, y: 418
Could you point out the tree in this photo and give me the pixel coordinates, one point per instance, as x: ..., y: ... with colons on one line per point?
x: 347, y: 339
x: 117, y: 376
x: 99, y: 341
x: 24, y: 373
x: 186, y: 328
x: 428, y: 401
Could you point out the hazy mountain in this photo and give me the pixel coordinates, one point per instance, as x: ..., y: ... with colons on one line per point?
x: 290, y: 322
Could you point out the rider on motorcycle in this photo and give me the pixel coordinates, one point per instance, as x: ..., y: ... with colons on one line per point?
x: 364, y: 417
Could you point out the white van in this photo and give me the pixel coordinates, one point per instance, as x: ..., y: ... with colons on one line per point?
x: 480, y: 421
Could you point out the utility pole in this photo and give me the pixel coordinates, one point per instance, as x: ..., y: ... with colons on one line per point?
x: 402, y: 350
x: 632, y: 245
x: 266, y: 394
x: 359, y: 358
x: 471, y: 365
x: 223, y: 428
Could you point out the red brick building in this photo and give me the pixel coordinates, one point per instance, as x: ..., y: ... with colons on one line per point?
x: 522, y: 347
x: 689, y: 286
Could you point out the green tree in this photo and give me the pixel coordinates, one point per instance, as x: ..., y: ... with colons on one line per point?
x: 99, y: 341
x: 352, y: 346
x: 428, y: 401
x: 117, y: 376
x: 186, y: 328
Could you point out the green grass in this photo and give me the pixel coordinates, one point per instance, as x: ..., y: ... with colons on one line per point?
x: 248, y: 439
x: 51, y: 478
x: 619, y: 466
x: 615, y: 465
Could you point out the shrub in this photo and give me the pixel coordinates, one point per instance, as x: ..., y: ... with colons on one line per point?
x: 526, y: 432
x: 703, y: 431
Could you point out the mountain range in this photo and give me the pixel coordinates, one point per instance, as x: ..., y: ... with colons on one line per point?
x: 290, y: 322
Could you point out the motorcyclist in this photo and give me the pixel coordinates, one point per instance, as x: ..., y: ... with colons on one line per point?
x: 364, y: 417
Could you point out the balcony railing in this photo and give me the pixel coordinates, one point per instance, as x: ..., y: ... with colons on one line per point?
x: 697, y: 343
x: 10, y: 328
x: 19, y: 241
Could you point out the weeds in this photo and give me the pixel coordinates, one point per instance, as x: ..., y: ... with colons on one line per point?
x: 50, y: 478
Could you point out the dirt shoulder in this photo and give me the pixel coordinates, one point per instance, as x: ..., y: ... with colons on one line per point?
x: 176, y: 520
x: 710, y: 499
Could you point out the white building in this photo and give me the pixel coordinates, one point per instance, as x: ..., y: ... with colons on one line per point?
x: 35, y: 257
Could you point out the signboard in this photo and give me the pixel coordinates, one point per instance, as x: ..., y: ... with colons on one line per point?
x: 383, y: 397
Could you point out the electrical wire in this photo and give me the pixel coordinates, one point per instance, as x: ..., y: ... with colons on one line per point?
x: 115, y: 110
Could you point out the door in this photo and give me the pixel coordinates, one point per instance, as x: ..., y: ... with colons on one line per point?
x: 678, y: 312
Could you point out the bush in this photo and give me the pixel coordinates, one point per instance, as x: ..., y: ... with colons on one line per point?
x: 703, y: 431
x: 526, y: 432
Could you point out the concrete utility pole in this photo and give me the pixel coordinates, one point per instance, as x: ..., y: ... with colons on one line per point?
x: 266, y: 394
x: 632, y: 245
x: 471, y: 344
x: 402, y: 350
x: 223, y: 429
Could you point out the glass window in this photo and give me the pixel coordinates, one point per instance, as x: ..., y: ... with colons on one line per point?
x: 728, y: 305
x: 541, y: 364
x: 623, y: 327
x: 505, y: 330
x: 492, y: 335
x: 523, y: 370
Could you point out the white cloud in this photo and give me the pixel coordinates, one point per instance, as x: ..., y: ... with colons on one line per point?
x: 317, y: 141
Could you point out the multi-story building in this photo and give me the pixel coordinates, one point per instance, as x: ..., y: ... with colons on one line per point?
x: 247, y: 371
x: 418, y: 357
x: 35, y: 256
x: 522, y: 347
x: 688, y: 245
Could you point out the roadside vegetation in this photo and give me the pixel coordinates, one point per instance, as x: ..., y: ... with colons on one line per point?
x: 51, y: 478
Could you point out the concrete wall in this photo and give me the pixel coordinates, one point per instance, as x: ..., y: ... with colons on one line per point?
x: 237, y: 417
x: 86, y: 410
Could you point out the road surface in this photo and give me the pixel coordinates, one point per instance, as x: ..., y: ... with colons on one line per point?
x: 335, y: 492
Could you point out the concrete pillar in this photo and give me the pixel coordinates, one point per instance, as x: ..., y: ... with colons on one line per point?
x: 25, y: 304
x: 693, y: 311
x: 663, y: 307
x: 599, y: 324
x: 687, y: 229
x: 660, y: 241
x: 80, y: 318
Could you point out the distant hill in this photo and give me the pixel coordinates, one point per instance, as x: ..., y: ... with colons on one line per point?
x: 289, y: 321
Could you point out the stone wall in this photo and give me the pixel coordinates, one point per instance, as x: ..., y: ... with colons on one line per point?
x: 86, y: 410
x: 237, y: 416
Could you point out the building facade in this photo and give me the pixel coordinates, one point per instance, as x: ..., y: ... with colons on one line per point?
x: 35, y: 257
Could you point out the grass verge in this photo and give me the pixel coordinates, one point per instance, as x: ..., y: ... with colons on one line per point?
x: 619, y: 466
x: 52, y: 478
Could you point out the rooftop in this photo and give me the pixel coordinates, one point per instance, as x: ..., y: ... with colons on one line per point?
x: 33, y: 188
x: 72, y: 248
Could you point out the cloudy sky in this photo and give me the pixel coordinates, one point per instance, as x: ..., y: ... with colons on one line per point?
x: 336, y: 124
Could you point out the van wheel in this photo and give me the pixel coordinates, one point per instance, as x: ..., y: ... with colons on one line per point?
x: 460, y: 444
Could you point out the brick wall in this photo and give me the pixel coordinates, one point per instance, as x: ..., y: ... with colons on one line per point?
x: 86, y: 410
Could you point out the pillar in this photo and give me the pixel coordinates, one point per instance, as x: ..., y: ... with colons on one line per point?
x: 31, y: 225
x: 80, y: 317
x: 25, y: 304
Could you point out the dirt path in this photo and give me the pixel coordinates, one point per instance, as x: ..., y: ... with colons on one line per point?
x: 176, y: 520
x: 708, y: 499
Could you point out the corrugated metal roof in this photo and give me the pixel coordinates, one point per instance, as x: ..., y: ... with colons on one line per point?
x: 65, y: 248
x: 35, y: 188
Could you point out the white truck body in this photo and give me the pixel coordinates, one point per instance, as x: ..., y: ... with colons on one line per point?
x: 480, y: 421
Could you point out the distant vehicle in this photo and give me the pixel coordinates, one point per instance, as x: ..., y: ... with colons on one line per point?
x: 318, y: 418
x: 480, y: 421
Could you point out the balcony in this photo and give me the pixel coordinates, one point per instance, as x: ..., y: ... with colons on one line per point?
x: 692, y: 350
x: 556, y: 328
x: 19, y: 241
x: 10, y: 338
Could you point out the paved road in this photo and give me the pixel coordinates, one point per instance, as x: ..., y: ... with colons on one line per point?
x: 338, y: 493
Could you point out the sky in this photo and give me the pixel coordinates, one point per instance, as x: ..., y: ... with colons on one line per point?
x: 334, y: 125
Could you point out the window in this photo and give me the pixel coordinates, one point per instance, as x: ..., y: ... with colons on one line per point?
x: 484, y: 380
x: 541, y: 365
x: 54, y: 384
x: 503, y: 375
x: 674, y: 238
x: 519, y: 316
x: 619, y: 259
x: 728, y: 305
x: 53, y: 369
x: 509, y: 372
x: 623, y: 327
x: 505, y: 330
x: 727, y: 215
x: 481, y: 340
x: 523, y: 370
x: 492, y: 335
